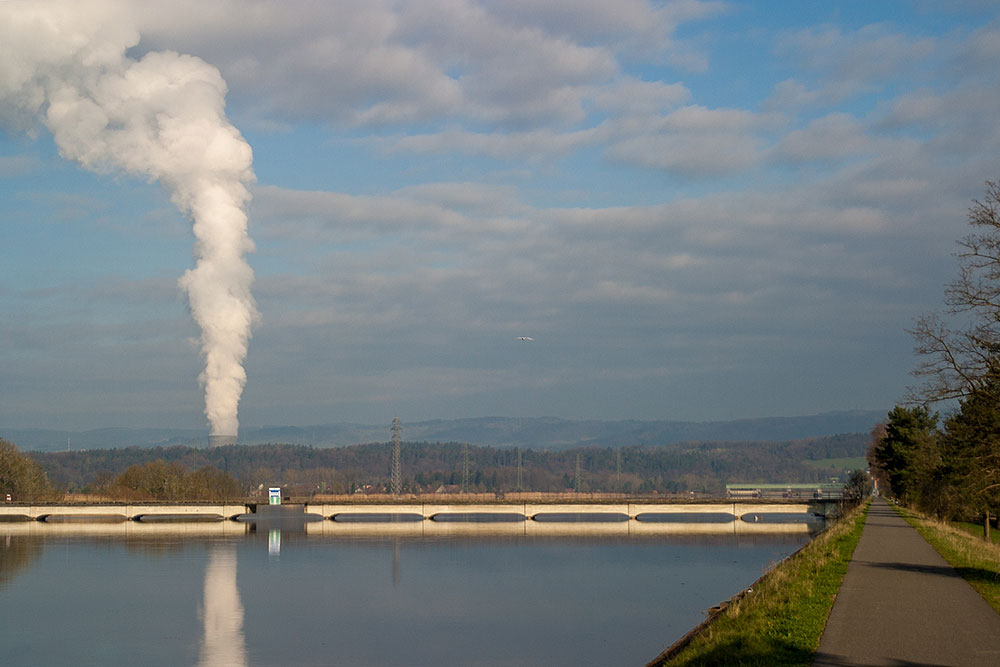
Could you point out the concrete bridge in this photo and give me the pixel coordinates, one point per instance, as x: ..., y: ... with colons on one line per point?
x: 623, y: 528
x: 114, y: 512
x: 751, y: 512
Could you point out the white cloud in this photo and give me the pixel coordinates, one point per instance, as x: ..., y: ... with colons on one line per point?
x: 380, y: 62
x: 514, y: 64
x: 837, y: 135
x: 643, y: 98
x: 537, y: 144
x: 850, y: 63
x: 981, y: 50
x: 336, y: 60
x: 640, y: 28
x: 694, y: 141
x: 688, y: 222
x: 791, y: 94
x: 442, y: 212
x: 476, y: 197
x: 921, y: 107
x: 688, y: 154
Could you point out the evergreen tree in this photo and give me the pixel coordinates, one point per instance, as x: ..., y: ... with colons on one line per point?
x: 908, y: 453
x: 971, y: 449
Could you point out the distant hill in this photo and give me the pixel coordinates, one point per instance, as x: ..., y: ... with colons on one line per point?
x: 703, y: 467
x: 540, y: 433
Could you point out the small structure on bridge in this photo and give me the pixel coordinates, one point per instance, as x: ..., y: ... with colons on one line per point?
x: 796, y: 491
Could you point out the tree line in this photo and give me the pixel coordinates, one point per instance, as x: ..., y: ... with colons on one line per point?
x: 950, y: 466
x: 24, y: 479
x: 21, y: 477
x: 158, y: 480
x: 702, y: 467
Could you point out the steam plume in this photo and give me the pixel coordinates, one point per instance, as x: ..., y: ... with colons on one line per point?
x: 161, y: 117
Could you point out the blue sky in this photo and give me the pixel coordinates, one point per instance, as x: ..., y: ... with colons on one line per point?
x: 698, y: 210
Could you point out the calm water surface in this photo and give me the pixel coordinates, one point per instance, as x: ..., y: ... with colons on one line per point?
x: 244, y: 594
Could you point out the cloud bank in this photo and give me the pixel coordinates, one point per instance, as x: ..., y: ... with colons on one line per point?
x: 699, y: 210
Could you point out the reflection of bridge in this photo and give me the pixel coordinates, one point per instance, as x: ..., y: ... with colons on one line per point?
x: 420, y: 520
x: 150, y: 512
x: 407, y: 529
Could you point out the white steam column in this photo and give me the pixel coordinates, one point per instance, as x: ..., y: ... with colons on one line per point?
x: 221, y: 440
x: 161, y: 117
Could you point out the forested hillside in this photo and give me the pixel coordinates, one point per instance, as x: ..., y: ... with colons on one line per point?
x: 524, y: 432
x: 426, y: 467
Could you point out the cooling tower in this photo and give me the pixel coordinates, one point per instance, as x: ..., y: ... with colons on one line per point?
x: 220, y: 440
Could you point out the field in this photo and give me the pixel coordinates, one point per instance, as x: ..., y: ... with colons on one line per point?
x: 849, y: 463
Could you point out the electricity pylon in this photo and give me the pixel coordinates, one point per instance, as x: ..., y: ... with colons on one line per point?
x: 465, y: 469
x: 618, y: 472
x: 519, y: 469
x: 577, y: 482
x: 396, y: 476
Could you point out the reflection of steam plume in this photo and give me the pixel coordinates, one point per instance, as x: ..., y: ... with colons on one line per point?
x: 161, y: 117
x: 223, y: 642
x: 395, y: 564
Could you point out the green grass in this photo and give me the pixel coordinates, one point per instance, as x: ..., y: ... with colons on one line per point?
x: 780, y: 621
x: 976, y: 530
x: 975, y: 560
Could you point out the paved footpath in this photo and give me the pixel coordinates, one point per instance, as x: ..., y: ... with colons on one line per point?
x: 902, y: 604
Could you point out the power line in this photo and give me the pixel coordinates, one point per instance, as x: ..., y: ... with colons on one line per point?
x: 465, y: 470
x: 396, y: 475
x: 576, y: 482
x: 618, y: 471
x: 519, y: 469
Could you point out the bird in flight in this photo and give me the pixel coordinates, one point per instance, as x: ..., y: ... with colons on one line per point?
x: 525, y: 338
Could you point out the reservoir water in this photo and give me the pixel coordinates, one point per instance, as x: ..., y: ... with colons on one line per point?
x: 362, y: 594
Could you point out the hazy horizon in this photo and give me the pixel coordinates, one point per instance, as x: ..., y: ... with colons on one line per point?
x: 431, y: 420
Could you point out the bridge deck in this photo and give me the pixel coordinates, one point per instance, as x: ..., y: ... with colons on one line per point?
x: 125, y: 510
x: 532, y: 510
x: 138, y: 511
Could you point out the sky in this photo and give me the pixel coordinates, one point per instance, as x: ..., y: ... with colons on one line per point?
x: 698, y: 210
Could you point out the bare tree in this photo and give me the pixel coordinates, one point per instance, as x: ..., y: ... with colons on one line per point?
x: 20, y: 476
x: 960, y: 348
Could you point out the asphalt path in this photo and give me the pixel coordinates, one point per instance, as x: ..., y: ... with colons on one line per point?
x: 902, y: 604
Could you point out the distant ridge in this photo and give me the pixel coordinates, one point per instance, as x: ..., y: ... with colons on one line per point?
x: 527, y: 432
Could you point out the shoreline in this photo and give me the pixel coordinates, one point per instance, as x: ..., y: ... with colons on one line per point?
x: 784, y: 598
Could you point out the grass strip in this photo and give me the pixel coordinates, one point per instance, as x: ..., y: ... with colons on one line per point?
x: 976, y: 529
x: 780, y: 619
x: 973, y: 558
